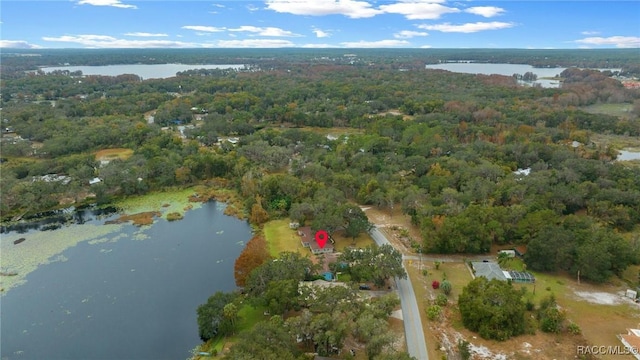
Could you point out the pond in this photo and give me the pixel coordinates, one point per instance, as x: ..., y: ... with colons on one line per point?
x: 627, y: 155
x: 145, y: 71
x: 121, y: 292
x: 505, y: 69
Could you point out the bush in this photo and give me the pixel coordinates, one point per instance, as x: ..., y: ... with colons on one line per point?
x: 435, y: 284
x: 446, y: 287
x: 530, y: 306
x: 464, y: 349
x: 574, y: 329
x: 437, y: 264
x: 434, y: 312
x: 441, y: 300
x: 425, y: 272
x: 174, y: 216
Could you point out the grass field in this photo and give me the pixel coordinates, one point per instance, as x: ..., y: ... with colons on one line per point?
x: 342, y: 242
x: 281, y: 238
x: 620, y: 110
x: 112, y: 154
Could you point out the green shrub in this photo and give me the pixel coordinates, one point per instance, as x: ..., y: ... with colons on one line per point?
x: 174, y: 216
x: 574, y: 329
x: 442, y: 300
x: 434, y: 312
x: 445, y: 285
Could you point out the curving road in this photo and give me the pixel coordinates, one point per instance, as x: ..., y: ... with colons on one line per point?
x: 416, y: 346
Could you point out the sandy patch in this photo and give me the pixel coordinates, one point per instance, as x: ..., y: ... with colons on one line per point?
x: 397, y: 314
x: 602, y: 298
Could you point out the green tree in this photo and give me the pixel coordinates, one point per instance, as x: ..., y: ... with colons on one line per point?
x: 494, y: 309
x: 267, y: 340
x: 376, y: 264
x: 288, y: 266
x: 211, y: 315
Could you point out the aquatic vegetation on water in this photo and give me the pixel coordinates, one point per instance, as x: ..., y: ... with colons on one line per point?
x: 45, y: 247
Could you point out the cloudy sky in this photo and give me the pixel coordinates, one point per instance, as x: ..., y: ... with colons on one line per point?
x: 533, y: 24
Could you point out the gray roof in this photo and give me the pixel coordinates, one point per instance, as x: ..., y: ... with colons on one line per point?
x: 490, y: 270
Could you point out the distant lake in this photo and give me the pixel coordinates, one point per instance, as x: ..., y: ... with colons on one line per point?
x: 505, y: 69
x: 145, y: 71
x: 122, y: 293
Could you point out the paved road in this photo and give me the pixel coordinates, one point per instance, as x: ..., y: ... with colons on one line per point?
x: 416, y: 346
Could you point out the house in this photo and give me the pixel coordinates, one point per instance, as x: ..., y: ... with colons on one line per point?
x: 305, y: 235
x: 307, y: 239
x: 631, y: 341
x: 489, y: 270
x: 95, y: 181
x: 492, y: 270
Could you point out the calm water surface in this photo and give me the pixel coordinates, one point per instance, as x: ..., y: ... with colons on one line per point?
x: 145, y: 71
x: 134, y: 297
x: 505, y: 69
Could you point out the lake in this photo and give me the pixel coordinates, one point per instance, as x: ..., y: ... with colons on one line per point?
x: 121, y: 292
x: 505, y: 69
x: 145, y: 71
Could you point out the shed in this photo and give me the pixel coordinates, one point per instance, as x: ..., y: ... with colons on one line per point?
x: 509, y: 253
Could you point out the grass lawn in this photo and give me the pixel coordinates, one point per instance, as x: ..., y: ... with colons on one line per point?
x: 363, y: 240
x: 281, y: 238
x: 610, y: 109
x: 419, y: 283
x: 112, y: 154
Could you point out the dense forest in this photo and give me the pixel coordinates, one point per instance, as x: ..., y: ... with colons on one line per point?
x: 445, y: 147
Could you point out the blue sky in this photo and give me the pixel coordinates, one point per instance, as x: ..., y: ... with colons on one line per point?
x: 535, y: 24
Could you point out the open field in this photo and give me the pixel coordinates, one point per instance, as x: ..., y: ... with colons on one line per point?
x: 617, y: 141
x: 342, y: 242
x: 112, y: 154
x: 620, y: 110
x: 281, y: 238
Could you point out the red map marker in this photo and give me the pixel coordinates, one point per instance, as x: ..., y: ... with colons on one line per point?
x: 321, y: 238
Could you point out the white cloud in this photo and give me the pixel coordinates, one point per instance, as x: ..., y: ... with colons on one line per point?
x: 375, y: 44
x: 321, y: 33
x: 203, y: 28
x: 408, y: 34
x: 113, y: 3
x: 255, y: 43
x: 264, y: 31
x: 17, y: 44
x: 318, y: 46
x: 105, y: 41
x: 354, y: 9
x: 486, y: 11
x: 252, y: 8
x: 145, y: 34
x: 218, y: 5
x: 468, y: 27
x: 418, y: 9
x: 617, y: 41
x: 425, y: 47
x: 590, y: 32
